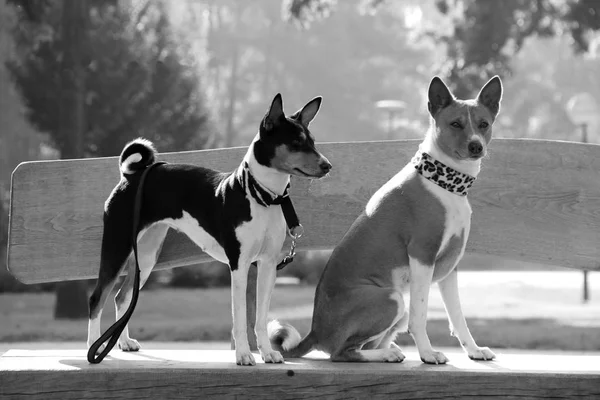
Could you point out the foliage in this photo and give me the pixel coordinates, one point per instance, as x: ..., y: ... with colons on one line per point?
x: 352, y: 58
x: 18, y: 140
x: 486, y: 34
x: 140, y: 78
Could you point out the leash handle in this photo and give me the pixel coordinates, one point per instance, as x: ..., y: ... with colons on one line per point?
x: 295, y: 229
x: 112, y: 334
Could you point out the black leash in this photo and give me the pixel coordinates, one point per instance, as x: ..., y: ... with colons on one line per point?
x: 112, y: 334
x: 295, y: 228
x: 266, y: 198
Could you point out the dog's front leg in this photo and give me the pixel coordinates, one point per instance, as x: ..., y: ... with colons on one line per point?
x: 239, y: 282
x: 420, y: 281
x: 458, y: 325
x: 267, y: 271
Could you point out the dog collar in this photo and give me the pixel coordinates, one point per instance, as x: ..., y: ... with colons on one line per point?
x: 263, y: 195
x: 442, y: 175
x: 265, y: 198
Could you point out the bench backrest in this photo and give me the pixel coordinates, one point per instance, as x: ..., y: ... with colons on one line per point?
x: 534, y: 200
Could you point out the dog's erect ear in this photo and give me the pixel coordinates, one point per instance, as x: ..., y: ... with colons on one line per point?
x: 490, y: 95
x: 274, y: 114
x: 309, y: 111
x: 439, y: 96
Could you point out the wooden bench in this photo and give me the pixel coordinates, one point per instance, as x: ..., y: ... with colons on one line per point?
x: 537, y: 201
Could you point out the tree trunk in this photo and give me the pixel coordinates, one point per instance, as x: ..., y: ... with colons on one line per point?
x: 71, y: 296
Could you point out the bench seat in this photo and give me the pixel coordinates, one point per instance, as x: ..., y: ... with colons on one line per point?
x: 179, y: 372
x: 536, y: 201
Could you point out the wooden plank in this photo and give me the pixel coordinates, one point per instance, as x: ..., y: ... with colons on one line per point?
x: 65, y: 374
x: 535, y: 201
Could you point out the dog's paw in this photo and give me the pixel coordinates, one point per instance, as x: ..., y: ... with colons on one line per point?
x: 393, y: 355
x: 272, y: 356
x: 129, y: 344
x: 244, y: 358
x: 481, y: 353
x: 433, y: 357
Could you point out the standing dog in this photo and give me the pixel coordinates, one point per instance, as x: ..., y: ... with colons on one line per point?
x: 412, y: 232
x: 229, y: 215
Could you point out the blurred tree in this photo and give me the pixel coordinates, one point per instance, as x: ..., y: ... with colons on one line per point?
x: 486, y: 34
x: 353, y: 59
x: 95, y: 75
x: 18, y: 140
x: 140, y: 78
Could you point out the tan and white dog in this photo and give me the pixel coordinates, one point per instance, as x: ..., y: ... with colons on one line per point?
x: 412, y: 233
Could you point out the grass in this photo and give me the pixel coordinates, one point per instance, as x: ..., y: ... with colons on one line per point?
x: 533, y: 310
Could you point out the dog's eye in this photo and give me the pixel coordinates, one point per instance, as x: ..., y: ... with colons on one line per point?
x: 483, y: 125
x: 456, y: 125
x: 296, y: 144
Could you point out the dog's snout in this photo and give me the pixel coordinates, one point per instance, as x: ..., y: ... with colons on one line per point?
x: 325, y: 166
x: 475, y: 148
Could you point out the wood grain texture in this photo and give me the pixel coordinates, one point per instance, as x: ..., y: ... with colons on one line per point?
x: 180, y: 374
x: 535, y: 201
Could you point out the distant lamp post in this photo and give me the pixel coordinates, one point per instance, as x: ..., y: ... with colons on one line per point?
x: 584, y: 112
x: 392, y: 107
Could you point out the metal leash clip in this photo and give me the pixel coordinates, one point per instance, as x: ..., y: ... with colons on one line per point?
x: 295, y: 233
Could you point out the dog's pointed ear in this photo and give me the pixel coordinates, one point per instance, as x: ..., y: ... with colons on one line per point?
x: 439, y: 96
x: 275, y: 113
x: 490, y: 95
x: 308, y: 112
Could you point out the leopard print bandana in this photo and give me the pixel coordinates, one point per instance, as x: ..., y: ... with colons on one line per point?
x: 442, y: 175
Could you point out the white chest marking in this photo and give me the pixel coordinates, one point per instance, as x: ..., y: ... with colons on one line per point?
x: 260, y: 238
x: 190, y: 226
x: 457, y: 211
x: 263, y: 236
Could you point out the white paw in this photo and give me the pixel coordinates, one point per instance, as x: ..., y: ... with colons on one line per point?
x: 481, y: 353
x: 244, y: 358
x: 129, y: 344
x: 393, y: 354
x: 272, y: 356
x: 433, y: 357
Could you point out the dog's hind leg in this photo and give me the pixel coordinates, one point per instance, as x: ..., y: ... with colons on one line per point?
x: 458, y: 325
x: 149, y: 245
x: 390, y: 354
x: 387, y: 340
x: 372, y: 331
x: 115, y: 250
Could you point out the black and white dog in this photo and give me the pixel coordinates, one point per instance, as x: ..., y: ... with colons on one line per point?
x: 229, y: 215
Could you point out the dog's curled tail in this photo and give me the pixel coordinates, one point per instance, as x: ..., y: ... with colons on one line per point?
x: 286, y: 339
x: 137, y: 155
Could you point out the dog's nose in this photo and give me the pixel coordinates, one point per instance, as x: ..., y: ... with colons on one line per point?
x: 475, y: 148
x: 325, y: 166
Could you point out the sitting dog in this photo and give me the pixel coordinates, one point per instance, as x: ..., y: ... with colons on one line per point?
x: 231, y: 216
x: 412, y: 232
